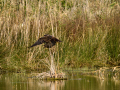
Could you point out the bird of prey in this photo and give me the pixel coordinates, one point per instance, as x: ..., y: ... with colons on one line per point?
x: 48, y: 40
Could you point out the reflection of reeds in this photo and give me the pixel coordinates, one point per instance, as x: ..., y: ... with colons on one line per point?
x: 21, y: 82
x: 116, y: 71
x: 103, y: 72
x: 106, y: 72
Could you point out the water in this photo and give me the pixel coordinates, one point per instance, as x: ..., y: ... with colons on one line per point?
x: 76, y: 81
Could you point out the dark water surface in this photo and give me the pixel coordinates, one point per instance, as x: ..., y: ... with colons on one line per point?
x: 76, y: 81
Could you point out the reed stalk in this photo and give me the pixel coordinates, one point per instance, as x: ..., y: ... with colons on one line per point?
x: 89, y: 30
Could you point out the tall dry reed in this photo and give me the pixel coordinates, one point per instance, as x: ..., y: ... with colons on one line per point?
x: 89, y: 31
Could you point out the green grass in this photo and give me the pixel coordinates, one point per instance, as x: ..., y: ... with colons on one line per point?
x: 90, y: 33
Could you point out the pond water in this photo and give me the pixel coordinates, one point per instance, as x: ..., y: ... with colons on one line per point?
x: 76, y: 81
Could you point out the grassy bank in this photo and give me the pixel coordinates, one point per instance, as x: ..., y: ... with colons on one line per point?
x: 89, y: 30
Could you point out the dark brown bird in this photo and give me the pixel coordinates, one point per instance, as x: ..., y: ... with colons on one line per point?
x: 48, y: 40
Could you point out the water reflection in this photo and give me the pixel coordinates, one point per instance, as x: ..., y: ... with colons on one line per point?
x: 76, y: 81
x: 18, y: 81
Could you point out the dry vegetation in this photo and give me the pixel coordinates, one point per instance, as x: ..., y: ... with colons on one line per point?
x: 89, y: 30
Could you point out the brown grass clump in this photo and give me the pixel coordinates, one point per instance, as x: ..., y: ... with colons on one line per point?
x: 90, y: 31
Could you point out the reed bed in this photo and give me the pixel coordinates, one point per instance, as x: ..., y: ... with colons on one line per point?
x: 89, y: 30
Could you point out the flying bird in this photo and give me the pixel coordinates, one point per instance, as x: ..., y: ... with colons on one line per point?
x: 48, y: 40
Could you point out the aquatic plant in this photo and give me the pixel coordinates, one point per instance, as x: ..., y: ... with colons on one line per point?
x: 90, y: 31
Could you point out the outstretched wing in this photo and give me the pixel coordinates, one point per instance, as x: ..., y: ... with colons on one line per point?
x: 48, y: 40
x: 40, y: 41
